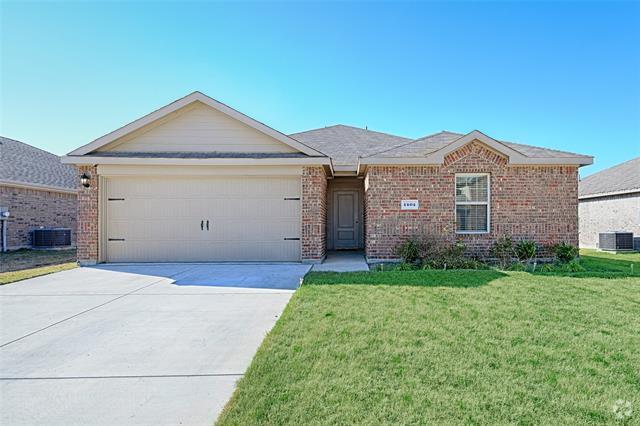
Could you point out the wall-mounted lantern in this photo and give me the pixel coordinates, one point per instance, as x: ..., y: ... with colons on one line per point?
x: 84, y: 180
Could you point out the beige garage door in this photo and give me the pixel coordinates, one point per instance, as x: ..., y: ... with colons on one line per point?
x: 187, y: 219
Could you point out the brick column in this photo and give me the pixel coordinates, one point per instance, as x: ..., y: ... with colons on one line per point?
x: 314, y: 214
x: 87, y: 238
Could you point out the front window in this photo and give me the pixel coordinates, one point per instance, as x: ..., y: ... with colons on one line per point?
x: 472, y: 203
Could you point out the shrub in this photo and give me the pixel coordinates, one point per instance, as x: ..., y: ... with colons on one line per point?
x: 516, y: 267
x: 436, y: 253
x: 565, y: 252
x: 404, y: 266
x: 526, y: 250
x: 572, y: 266
x: 410, y: 250
x: 503, y: 250
x: 547, y: 268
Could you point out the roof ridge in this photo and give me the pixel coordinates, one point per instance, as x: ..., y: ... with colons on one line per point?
x: 438, y: 133
x: 352, y: 127
x: 30, y: 146
x: 413, y: 141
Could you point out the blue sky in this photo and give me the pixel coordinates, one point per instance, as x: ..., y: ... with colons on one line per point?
x: 560, y: 75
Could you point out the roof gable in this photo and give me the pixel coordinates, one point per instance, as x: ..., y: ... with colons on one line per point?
x: 434, y: 148
x: 478, y: 152
x: 184, y: 111
x: 439, y: 155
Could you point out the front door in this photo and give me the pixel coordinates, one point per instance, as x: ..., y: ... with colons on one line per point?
x: 345, y: 214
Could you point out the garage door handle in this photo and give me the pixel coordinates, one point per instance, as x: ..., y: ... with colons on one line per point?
x: 207, y: 224
x: 202, y: 225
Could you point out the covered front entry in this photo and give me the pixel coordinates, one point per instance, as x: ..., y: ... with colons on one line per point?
x: 345, y: 214
x: 201, y: 218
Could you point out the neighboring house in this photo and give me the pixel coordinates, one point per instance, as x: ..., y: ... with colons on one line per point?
x: 199, y: 181
x: 37, y: 190
x: 610, y: 201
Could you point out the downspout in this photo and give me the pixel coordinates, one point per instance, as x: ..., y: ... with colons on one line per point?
x: 4, y: 215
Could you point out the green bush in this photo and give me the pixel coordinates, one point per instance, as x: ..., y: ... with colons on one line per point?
x: 564, y: 252
x: 409, y: 250
x: 572, y: 266
x: 516, y: 266
x: 526, y: 250
x: 547, y: 268
x: 435, y: 253
x: 404, y: 266
x: 503, y: 250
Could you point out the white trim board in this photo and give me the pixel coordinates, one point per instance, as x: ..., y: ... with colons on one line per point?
x: 37, y: 187
x: 92, y: 160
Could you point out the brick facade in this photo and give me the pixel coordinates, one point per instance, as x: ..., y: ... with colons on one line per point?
x: 88, y: 217
x: 533, y: 202
x: 314, y: 214
x: 33, y: 208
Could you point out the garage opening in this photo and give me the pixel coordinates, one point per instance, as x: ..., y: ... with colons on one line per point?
x: 201, y: 219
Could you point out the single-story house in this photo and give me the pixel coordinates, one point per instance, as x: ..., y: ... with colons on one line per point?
x: 610, y: 201
x: 36, y: 190
x: 199, y: 181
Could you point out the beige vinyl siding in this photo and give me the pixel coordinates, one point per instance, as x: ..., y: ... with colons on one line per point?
x: 160, y: 218
x: 198, y: 128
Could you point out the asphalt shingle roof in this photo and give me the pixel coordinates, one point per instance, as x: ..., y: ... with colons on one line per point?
x: 344, y: 144
x: 622, y: 178
x: 26, y: 164
x: 428, y: 144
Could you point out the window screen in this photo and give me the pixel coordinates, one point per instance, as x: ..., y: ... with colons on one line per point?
x: 472, y: 203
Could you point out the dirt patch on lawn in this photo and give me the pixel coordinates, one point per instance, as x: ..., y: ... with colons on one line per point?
x: 25, y: 258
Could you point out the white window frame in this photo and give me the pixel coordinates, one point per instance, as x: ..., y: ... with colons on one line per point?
x: 472, y: 203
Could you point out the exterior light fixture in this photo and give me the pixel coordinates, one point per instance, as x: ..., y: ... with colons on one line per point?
x: 84, y: 180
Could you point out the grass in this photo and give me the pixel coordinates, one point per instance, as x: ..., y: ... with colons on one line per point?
x: 11, y: 277
x: 449, y: 347
x: 594, y: 260
x: 26, y: 258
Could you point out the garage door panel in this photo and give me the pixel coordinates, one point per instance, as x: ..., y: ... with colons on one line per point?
x: 254, y: 230
x: 155, y: 229
x: 160, y: 219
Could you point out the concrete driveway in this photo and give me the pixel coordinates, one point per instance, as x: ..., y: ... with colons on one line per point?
x: 134, y: 344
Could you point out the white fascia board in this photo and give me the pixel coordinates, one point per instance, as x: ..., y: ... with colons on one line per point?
x: 180, y: 103
x: 37, y: 186
x: 541, y: 161
x: 92, y: 160
x: 609, y: 194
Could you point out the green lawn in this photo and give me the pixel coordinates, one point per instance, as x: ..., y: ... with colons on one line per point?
x: 10, y: 277
x: 16, y: 260
x: 450, y: 347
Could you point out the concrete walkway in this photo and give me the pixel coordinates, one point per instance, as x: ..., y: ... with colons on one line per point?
x: 134, y: 344
x: 343, y: 261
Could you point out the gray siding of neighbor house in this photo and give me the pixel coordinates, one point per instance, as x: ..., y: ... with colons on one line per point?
x: 612, y: 213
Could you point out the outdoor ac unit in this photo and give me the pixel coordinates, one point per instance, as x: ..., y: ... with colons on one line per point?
x: 616, y: 241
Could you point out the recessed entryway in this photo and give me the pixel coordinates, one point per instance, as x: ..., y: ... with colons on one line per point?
x: 345, y: 214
